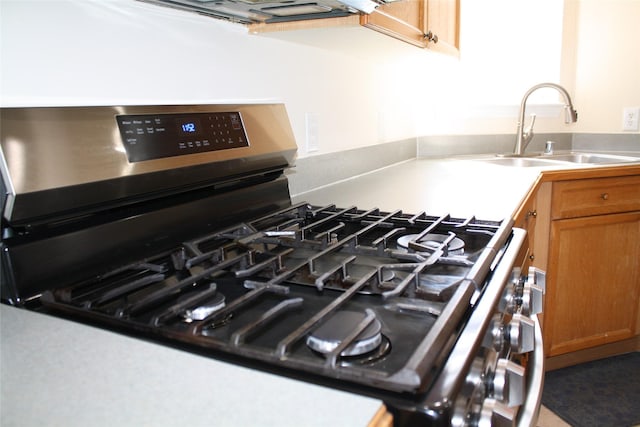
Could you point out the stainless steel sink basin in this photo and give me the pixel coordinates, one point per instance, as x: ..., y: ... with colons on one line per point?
x: 593, y: 158
x: 522, y: 162
x: 559, y: 159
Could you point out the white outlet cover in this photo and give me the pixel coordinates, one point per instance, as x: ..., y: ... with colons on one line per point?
x: 631, y: 119
x: 312, y: 131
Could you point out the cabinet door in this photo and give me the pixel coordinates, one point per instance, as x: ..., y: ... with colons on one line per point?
x: 593, y: 282
x: 419, y: 22
x: 443, y: 21
x: 404, y: 20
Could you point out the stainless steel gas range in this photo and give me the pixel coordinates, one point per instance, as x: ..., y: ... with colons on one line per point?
x: 175, y: 224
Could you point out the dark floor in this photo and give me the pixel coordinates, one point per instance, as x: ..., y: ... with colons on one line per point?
x: 597, y: 393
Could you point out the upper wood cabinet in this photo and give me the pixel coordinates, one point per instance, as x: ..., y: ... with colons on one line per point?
x: 423, y: 23
x: 432, y: 24
x: 443, y: 20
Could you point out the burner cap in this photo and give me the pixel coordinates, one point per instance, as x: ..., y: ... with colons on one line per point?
x: 433, y: 241
x: 331, y: 333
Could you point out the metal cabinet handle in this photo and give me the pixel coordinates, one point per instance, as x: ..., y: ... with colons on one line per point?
x: 430, y: 37
x: 532, y: 213
x: 604, y: 196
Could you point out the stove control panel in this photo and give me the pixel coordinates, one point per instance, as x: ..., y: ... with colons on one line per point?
x: 525, y: 293
x: 497, y: 388
x: 155, y: 136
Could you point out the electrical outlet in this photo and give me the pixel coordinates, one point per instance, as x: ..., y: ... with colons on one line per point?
x: 630, y: 118
x: 311, y: 122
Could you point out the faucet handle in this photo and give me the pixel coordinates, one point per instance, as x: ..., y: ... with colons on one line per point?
x: 533, y: 120
x: 528, y: 133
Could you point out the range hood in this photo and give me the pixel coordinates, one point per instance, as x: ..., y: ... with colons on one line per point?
x: 271, y: 11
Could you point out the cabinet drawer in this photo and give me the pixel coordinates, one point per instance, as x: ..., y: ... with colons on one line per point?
x: 595, y: 196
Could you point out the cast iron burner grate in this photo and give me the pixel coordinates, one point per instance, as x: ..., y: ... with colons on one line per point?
x: 262, y: 289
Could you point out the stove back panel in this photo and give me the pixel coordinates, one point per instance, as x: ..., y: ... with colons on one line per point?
x: 60, y: 162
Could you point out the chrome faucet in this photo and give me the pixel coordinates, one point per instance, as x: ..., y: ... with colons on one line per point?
x: 523, y: 138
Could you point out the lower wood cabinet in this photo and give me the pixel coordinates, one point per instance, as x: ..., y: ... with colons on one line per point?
x: 585, y: 233
x: 593, y: 279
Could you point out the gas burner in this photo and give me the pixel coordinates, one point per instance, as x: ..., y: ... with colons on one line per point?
x: 331, y: 333
x: 383, y: 349
x: 433, y: 241
x: 204, y: 310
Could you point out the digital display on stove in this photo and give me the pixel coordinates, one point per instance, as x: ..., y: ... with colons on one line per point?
x: 190, y: 127
x: 155, y: 136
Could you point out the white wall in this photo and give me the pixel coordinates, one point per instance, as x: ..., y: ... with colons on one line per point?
x: 87, y: 52
x: 507, y: 46
x: 599, y: 63
x: 365, y: 88
x: 607, y: 62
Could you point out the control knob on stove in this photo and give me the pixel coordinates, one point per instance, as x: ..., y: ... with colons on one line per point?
x: 524, y: 294
x: 509, y: 301
x: 494, y: 337
x: 507, y: 384
x: 537, y: 277
x: 532, y: 299
x: 491, y: 389
x: 533, y: 292
x: 496, y: 414
x: 520, y: 332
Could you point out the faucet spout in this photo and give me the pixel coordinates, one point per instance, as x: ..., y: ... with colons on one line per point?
x: 523, y: 137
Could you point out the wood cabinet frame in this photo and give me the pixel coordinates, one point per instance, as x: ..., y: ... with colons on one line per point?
x: 406, y: 20
x: 576, y: 214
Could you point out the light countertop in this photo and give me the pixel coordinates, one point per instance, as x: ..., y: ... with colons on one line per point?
x: 57, y: 372
x: 458, y: 187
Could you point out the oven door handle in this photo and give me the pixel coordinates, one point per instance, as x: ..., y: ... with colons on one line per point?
x: 529, y: 411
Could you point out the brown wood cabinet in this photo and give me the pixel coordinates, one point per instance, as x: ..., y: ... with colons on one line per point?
x: 594, y: 263
x: 419, y: 22
x: 585, y: 232
x: 533, y: 216
x: 594, y: 281
x: 423, y: 23
x: 595, y: 196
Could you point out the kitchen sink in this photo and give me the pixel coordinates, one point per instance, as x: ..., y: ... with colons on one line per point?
x: 522, y: 162
x: 559, y: 159
x: 594, y: 158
